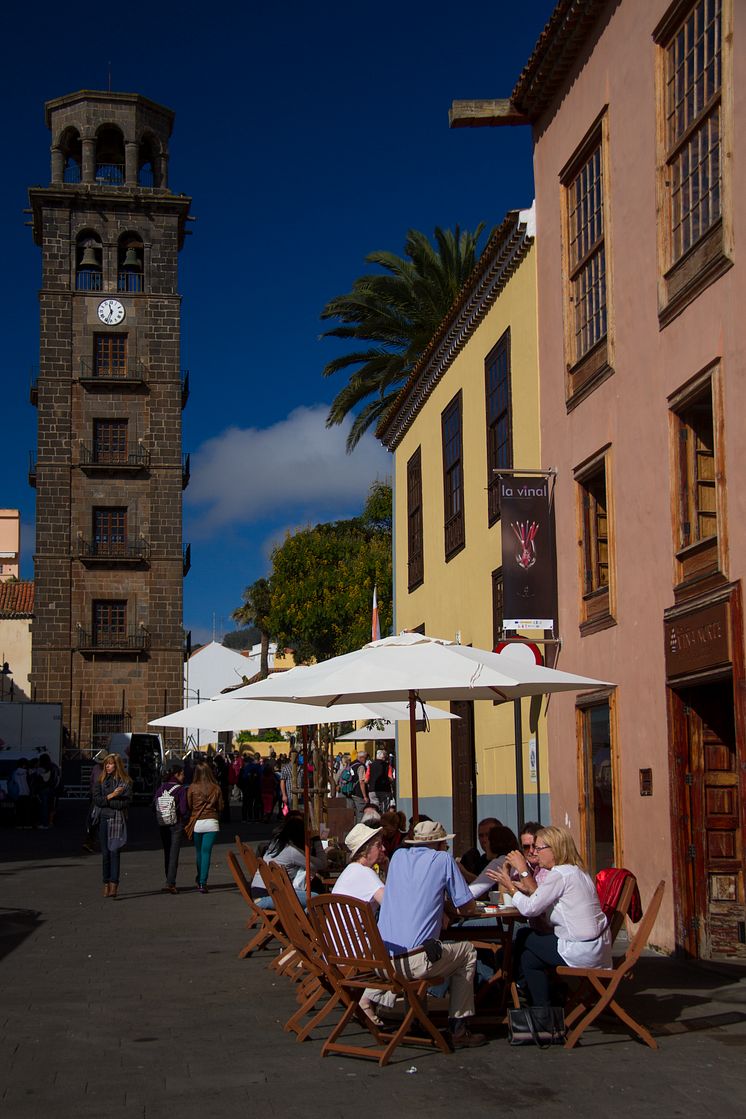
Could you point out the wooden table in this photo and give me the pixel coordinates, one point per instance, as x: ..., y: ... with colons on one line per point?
x: 502, y: 934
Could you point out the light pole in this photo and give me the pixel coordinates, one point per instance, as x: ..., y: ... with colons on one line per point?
x: 188, y: 694
x: 5, y: 671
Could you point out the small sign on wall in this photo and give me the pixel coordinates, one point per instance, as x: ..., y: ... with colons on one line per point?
x: 532, y: 760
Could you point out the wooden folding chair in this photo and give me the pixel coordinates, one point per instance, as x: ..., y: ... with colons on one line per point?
x: 268, y: 920
x: 317, y: 983
x: 599, y: 985
x: 358, y: 959
x: 622, y: 906
x: 615, y: 926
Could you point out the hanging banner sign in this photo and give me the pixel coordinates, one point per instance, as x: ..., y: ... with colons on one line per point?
x: 529, y: 596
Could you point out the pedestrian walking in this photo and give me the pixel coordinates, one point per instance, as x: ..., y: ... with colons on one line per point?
x: 90, y: 838
x: 205, y: 802
x: 112, y: 797
x: 172, y: 812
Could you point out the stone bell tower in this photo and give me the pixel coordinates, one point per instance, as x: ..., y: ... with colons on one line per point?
x: 109, y: 470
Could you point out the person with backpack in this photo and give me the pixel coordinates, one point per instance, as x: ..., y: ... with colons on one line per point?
x: 378, y: 781
x: 171, y: 812
x: 352, y: 784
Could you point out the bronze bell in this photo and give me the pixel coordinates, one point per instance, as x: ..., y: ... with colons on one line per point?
x: 89, y: 258
x: 131, y: 259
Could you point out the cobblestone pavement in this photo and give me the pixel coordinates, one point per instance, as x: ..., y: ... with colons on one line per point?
x: 140, y: 1007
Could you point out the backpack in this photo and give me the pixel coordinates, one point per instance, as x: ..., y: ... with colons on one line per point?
x: 165, y: 808
x: 349, y: 786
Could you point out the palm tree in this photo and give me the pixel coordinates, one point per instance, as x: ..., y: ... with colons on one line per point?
x: 257, y: 601
x: 397, y: 311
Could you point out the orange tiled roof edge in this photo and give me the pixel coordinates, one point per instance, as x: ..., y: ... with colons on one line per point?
x: 17, y: 599
x: 556, y: 51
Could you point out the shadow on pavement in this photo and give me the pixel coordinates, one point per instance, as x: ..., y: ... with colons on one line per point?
x: 15, y: 926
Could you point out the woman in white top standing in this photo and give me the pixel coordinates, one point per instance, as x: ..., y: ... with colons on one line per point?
x: 568, y: 901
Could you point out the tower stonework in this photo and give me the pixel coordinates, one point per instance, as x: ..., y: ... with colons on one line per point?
x: 109, y: 471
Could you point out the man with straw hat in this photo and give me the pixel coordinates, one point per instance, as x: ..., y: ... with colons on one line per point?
x: 419, y: 876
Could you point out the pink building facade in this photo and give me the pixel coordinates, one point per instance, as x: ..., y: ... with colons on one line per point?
x: 10, y: 544
x: 638, y: 110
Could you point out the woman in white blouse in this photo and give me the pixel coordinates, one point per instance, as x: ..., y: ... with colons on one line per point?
x: 568, y: 901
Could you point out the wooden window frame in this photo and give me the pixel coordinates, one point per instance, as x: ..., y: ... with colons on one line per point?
x: 700, y: 563
x: 583, y: 706
x: 454, y: 527
x: 98, y: 607
x: 498, y: 605
x: 109, y: 529
x: 415, y: 535
x: 597, y: 602
x: 110, y: 355
x: 585, y: 371
x: 493, y: 418
x: 681, y: 279
x: 116, y: 455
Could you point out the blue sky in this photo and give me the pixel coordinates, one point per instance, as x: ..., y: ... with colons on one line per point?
x: 307, y: 136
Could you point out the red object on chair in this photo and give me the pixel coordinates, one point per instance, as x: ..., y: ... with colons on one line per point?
x: 609, y: 886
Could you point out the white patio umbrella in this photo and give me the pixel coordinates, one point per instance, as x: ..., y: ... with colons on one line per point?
x: 411, y: 667
x: 226, y: 713
x: 369, y: 733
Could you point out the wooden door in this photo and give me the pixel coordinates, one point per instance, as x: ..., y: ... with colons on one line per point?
x: 463, y: 776
x: 713, y: 831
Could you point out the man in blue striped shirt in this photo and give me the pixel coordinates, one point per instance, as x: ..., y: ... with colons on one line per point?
x: 418, y: 879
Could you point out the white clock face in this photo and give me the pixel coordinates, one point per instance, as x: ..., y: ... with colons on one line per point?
x: 111, y: 312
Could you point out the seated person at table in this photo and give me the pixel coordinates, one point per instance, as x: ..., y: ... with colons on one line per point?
x: 524, y: 863
x: 474, y: 861
x: 359, y: 879
x: 567, y: 897
x: 411, y: 917
x: 371, y: 817
x: 501, y: 842
x: 394, y: 826
x: 287, y: 848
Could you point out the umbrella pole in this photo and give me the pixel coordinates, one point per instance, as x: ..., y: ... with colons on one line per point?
x: 413, y: 753
x: 306, y: 818
x: 519, y: 798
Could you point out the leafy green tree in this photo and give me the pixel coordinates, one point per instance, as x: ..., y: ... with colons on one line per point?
x: 322, y: 582
x: 241, y: 638
x: 394, y: 313
x: 255, y: 611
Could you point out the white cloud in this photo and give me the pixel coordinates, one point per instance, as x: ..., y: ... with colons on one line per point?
x: 296, y: 467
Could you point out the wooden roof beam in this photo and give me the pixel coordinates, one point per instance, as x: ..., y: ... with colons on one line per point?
x: 485, y: 114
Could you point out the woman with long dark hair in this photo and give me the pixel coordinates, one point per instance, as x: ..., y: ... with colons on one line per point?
x: 287, y: 847
x: 112, y: 796
x: 205, y: 802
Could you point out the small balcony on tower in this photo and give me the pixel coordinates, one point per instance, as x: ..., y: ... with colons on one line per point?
x: 113, y: 640
x: 107, y: 456
x: 114, y: 551
x: 113, y: 372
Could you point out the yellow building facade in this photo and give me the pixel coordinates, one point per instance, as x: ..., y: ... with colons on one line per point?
x: 471, y: 404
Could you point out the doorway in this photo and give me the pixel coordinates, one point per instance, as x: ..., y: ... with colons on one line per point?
x: 710, y: 838
x: 463, y: 776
